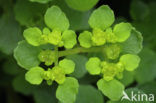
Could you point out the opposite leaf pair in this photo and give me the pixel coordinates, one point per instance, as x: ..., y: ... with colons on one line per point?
x: 36, y: 74
x: 128, y: 62
x: 100, y: 21
x: 36, y: 37
x: 98, y: 37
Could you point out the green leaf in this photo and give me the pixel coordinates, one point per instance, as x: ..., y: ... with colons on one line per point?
x: 10, y: 33
x: 89, y: 94
x: 130, y: 61
x: 128, y: 78
x: 122, y: 31
x: 112, y: 89
x: 34, y: 75
x: 80, y: 61
x: 133, y: 44
x: 135, y: 91
x: 81, y: 5
x: 69, y: 39
x: 45, y: 94
x: 146, y: 71
x: 41, y: 1
x: 78, y: 20
x: 148, y: 88
x: 93, y: 66
x: 29, y: 14
x: 26, y: 55
x: 102, y: 18
x: 21, y: 85
x: 33, y: 36
x: 67, y: 91
x: 10, y: 67
x: 85, y: 39
x: 67, y: 65
x: 139, y: 10
x: 56, y: 19
x: 129, y: 91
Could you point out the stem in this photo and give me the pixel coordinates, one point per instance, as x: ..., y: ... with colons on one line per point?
x: 80, y: 50
x: 56, y: 55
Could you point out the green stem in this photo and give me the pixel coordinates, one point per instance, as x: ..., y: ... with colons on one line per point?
x: 56, y: 55
x: 80, y: 50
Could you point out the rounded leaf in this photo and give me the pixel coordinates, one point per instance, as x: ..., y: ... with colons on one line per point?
x: 55, y: 18
x: 128, y: 78
x: 29, y: 14
x: 122, y: 31
x: 66, y: 92
x: 27, y: 55
x: 69, y: 39
x: 130, y: 61
x: 21, y: 85
x: 93, y: 66
x: 146, y: 70
x: 81, y: 5
x: 80, y: 61
x: 112, y: 89
x: 89, y: 94
x: 10, y: 33
x: 102, y: 18
x: 133, y: 44
x: 85, y: 39
x: 67, y: 65
x: 34, y: 75
x: 33, y: 36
